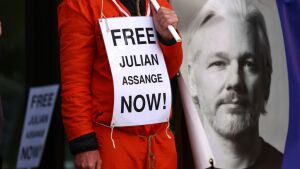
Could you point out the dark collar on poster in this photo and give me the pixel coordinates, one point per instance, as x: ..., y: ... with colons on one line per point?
x: 269, y: 158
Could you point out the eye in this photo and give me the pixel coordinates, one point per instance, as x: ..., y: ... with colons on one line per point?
x: 249, y: 64
x: 217, y: 64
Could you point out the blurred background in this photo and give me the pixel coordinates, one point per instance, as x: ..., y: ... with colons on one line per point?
x: 29, y: 57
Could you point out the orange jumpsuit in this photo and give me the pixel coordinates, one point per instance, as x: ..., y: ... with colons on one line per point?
x: 87, y: 92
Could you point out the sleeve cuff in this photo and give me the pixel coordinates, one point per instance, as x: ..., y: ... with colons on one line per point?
x: 83, y: 143
x: 166, y: 42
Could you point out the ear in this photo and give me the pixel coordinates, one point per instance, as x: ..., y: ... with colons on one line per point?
x: 192, y: 81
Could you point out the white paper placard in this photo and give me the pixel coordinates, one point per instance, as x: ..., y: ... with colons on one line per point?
x: 142, y: 93
x: 40, y: 105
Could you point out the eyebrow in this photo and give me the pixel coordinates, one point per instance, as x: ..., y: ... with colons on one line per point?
x: 211, y: 17
x: 207, y: 18
x: 247, y: 55
x: 220, y: 55
x: 217, y: 55
x: 225, y: 56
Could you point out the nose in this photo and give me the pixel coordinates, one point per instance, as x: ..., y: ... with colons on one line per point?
x: 234, y: 79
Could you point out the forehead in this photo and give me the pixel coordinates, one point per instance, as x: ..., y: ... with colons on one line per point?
x: 226, y: 35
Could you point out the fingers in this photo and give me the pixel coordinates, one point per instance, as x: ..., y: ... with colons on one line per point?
x: 98, y: 164
x: 85, y: 164
x: 162, y: 19
x: 88, y: 160
x: 166, y: 17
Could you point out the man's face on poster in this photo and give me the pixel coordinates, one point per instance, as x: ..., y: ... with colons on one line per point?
x: 226, y: 76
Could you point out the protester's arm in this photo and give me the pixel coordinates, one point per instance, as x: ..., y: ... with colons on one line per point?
x: 172, y: 51
x: 77, y: 51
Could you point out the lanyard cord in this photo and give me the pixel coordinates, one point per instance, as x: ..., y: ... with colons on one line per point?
x: 148, y: 9
x: 102, y: 13
x: 124, y: 12
x: 120, y: 8
x: 138, y: 9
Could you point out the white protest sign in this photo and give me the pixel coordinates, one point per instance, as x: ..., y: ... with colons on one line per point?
x: 142, y: 93
x: 40, y: 105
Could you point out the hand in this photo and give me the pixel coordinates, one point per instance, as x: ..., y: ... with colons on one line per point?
x: 162, y: 19
x: 88, y: 160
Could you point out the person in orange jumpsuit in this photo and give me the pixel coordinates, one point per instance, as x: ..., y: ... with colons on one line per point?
x: 88, y: 95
